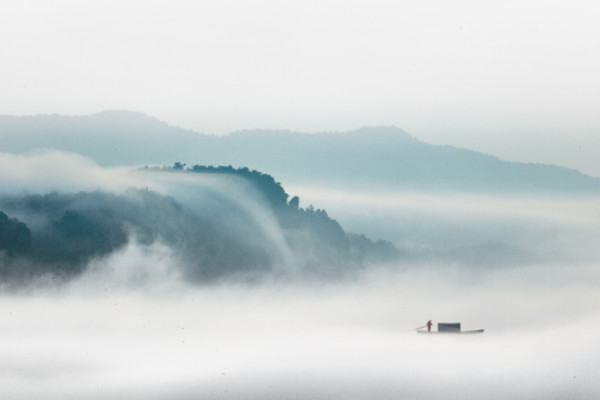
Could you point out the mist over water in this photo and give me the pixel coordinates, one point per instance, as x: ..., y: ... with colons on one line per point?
x: 283, y: 340
x: 131, y: 326
x: 479, y: 230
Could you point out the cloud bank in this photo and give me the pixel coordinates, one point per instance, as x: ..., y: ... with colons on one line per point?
x: 525, y: 269
x: 351, y: 340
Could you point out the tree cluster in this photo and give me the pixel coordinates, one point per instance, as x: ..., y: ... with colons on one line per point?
x: 62, y: 233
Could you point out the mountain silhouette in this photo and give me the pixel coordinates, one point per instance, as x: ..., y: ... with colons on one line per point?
x: 226, y: 223
x: 368, y: 158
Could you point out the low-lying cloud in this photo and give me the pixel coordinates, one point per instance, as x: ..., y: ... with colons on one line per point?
x: 46, y: 171
x: 275, y: 340
x: 523, y: 268
x: 469, y: 228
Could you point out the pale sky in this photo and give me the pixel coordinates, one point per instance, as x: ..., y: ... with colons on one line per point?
x: 517, y: 79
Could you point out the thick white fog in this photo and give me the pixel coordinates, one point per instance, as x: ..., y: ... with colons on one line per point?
x: 352, y: 340
x: 523, y: 268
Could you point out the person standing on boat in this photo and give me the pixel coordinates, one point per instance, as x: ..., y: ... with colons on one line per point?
x: 428, y: 324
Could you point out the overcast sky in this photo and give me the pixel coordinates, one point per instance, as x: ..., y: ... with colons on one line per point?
x: 518, y: 79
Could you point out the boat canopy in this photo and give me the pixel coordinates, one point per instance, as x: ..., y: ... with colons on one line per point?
x: 449, y: 327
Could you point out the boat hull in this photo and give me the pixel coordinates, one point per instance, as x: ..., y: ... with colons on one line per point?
x: 451, y: 332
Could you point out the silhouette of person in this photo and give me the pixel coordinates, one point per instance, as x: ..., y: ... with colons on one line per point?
x: 428, y: 324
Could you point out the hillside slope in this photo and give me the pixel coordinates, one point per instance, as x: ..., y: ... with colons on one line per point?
x: 217, y: 222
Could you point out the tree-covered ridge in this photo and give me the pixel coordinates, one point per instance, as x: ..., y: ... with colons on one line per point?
x: 59, y: 234
x: 309, y: 231
x: 265, y: 183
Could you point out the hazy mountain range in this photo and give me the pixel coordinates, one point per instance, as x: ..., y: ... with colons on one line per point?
x: 370, y: 158
x: 61, y: 216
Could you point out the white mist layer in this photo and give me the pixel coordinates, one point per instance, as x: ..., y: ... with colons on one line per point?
x: 337, y: 341
x: 132, y: 328
x: 143, y: 267
x: 549, y: 228
x: 47, y: 171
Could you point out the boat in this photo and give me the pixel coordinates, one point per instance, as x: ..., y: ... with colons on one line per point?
x: 449, y: 328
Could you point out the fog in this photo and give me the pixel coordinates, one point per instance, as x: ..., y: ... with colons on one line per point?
x: 132, y: 326
x: 517, y: 228
x: 44, y: 171
x: 352, y: 340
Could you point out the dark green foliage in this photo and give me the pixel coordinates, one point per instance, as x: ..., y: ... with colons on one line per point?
x: 88, y: 234
x: 271, y: 189
x: 15, y: 237
x: 79, y: 227
x: 212, y: 238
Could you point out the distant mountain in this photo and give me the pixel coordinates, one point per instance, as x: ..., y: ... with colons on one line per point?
x: 374, y: 158
x: 110, y: 138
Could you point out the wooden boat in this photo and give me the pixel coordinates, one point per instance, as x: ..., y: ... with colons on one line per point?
x: 449, y: 328
x: 450, y: 333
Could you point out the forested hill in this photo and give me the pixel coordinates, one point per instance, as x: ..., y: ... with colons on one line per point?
x: 376, y: 157
x: 238, y: 224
